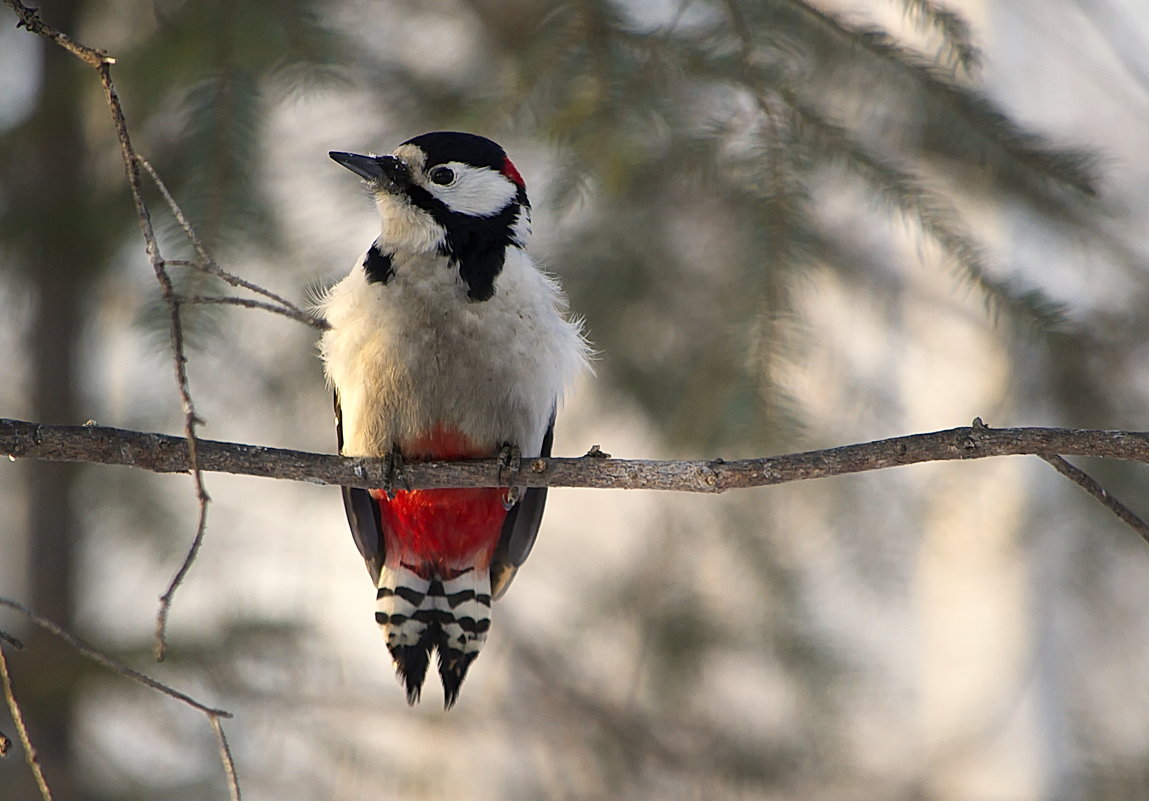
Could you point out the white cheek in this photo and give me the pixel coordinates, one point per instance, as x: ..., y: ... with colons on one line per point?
x: 479, y: 192
x: 521, y: 229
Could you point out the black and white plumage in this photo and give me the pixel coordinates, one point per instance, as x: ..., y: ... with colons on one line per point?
x: 447, y: 341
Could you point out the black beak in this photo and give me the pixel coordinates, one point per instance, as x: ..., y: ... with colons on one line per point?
x: 387, y: 171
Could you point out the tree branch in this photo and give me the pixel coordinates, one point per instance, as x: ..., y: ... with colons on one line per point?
x: 1090, y: 485
x: 168, y: 454
x: 162, y: 453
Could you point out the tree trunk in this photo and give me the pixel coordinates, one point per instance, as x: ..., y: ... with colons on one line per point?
x: 57, y: 277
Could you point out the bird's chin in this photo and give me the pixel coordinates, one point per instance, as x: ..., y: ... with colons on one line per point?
x: 387, y: 186
x: 407, y: 228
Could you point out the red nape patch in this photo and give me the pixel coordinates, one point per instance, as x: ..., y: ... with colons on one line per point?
x: 446, y: 527
x: 512, y: 173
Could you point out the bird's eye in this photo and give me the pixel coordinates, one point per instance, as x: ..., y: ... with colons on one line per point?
x: 442, y: 176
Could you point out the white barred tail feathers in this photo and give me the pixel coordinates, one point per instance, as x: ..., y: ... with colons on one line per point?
x: 422, y: 610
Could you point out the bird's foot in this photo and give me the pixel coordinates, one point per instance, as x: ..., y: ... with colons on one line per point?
x: 395, y: 472
x: 510, y: 460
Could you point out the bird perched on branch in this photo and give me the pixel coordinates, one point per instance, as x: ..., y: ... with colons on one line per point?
x: 447, y: 341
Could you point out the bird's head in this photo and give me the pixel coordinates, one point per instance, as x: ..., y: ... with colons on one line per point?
x: 455, y: 194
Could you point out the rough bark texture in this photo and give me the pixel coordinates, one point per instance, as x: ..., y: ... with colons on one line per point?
x: 167, y: 454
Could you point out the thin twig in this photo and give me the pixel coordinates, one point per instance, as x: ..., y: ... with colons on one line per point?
x: 161, y: 643
x: 1090, y: 485
x: 102, y: 63
x: 227, y: 759
x: 30, y: 19
x: 214, y: 714
x: 247, y: 303
x: 179, y: 358
x: 30, y: 754
x: 208, y: 265
x: 87, y: 651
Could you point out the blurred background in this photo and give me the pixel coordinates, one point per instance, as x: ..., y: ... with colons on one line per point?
x: 789, y: 224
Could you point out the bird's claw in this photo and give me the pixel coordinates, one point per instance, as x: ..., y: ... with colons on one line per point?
x: 395, y: 472
x: 510, y: 460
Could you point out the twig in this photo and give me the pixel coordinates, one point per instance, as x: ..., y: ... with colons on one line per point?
x: 87, y: 651
x: 214, y: 714
x: 248, y: 303
x: 227, y: 759
x: 102, y: 62
x: 1090, y: 485
x: 30, y: 754
x: 167, y: 291
x: 161, y: 644
x: 30, y: 19
x: 208, y: 265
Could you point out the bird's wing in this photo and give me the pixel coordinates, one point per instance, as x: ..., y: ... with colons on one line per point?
x: 362, y: 514
x: 520, y: 528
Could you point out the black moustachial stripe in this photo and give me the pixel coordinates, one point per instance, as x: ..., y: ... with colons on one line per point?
x: 377, y: 265
x: 476, y: 246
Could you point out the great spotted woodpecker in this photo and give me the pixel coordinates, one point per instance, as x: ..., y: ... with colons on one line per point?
x: 447, y: 341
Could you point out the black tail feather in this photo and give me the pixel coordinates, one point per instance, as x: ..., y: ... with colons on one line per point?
x: 453, y: 665
x: 411, y: 663
x: 411, y: 666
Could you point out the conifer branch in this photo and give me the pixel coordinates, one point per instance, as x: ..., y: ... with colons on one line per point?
x: 907, y: 193
x: 1075, y: 169
x: 954, y: 30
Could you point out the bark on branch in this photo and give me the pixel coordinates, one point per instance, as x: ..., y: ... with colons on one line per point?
x: 168, y: 454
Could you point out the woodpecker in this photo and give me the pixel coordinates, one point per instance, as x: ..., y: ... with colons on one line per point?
x: 446, y: 341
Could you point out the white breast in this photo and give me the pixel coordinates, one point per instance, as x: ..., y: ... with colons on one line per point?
x: 416, y: 352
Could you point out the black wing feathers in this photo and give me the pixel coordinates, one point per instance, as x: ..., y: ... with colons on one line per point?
x: 520, y: 528
x: 362, y: 515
